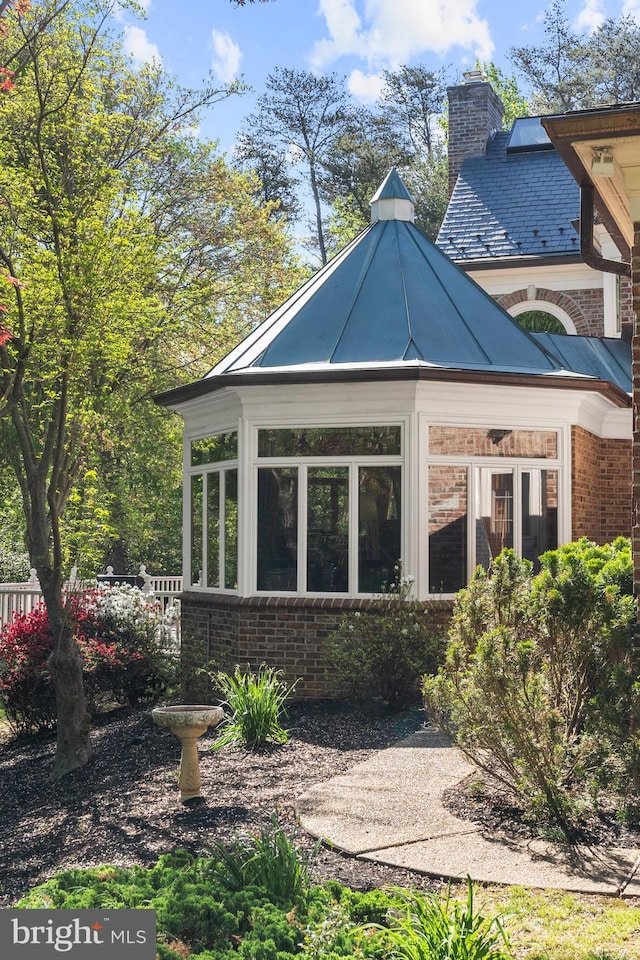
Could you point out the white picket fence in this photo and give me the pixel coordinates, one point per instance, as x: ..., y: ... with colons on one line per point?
x: 25, y: 597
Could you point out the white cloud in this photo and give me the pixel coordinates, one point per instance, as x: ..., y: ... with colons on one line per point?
x: 392, y: 32
x: 137, y: 45
x: 227, y: 56
x: 631, y: 8
x: 591, y: 16
x: 365, y: 87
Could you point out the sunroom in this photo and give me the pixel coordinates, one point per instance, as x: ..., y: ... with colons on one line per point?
x: 389, y: 417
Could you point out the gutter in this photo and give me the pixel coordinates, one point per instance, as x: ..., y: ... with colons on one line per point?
x: 587, y: 245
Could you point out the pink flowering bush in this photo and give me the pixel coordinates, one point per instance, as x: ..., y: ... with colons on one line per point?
x: 123, y: 639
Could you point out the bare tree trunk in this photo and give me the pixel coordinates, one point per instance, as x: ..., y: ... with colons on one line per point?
x: 65, y: 664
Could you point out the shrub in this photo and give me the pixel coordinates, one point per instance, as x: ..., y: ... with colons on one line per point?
x: 14, y: 565
x: 427, y: 928
x: 257, y: 704
x: 382, y: 652
x: 538, y: 684
x: 25, y: 685
x: 120, y: 637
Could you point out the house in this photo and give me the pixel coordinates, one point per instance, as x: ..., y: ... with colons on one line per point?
x: 513, y: 221
x: 601, y: 148
x: 389, y: 409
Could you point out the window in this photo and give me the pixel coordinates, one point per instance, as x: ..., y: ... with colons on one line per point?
x: 214, y: 512
x: 329, y: 509
x: 479, y: 507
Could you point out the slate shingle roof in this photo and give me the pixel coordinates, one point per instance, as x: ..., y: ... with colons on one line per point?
x: 511, y: 205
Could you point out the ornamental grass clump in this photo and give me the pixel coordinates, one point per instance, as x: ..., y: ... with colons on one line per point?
x: 270, y: 860
x: 539, y: 685
x: 428, y: 928
x: 257, y: 702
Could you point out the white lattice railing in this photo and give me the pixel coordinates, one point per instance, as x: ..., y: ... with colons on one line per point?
x: 25, y: 597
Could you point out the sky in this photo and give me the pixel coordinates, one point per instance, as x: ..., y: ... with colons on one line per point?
x: 357, y: 39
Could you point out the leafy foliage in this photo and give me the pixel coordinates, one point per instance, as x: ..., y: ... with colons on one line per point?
x: 539, y: 683
x: 428, y: 928
x: 257, y: 703
x: 122, y: 639
x: 382, y: 652
x: 271, y: 860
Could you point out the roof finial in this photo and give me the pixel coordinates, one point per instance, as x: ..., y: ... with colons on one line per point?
x: 392, y: 200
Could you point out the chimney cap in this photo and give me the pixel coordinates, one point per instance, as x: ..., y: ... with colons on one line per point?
x: 475, y: 76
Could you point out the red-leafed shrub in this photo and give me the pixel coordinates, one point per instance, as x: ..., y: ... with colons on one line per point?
x: 25, y: 685
x: 122, y: 637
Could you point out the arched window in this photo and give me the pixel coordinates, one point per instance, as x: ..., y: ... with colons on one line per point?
x: 541, y: 316
x: 539, y: 321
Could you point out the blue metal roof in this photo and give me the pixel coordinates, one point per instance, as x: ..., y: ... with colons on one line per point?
x: 605, y: 358
x: 511, y: 204
x: 392, y: 188
x: 391, y: 297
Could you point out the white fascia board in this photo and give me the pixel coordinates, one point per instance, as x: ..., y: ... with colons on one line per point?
x: 211, y: 413
x: 510, y: 407
x: 308, y: 403
x: 559, y: 277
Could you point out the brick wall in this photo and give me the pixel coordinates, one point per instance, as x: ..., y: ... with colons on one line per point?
x: 475, y: 113
x: 584, y: 307
x: 286, y: 632
x: 601, y: 487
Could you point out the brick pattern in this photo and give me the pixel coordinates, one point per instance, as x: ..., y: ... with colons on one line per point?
x: 601, y: 493
x: 285, y: 632
x: 635, y: 367
x: 480, y: 442
x: 475, y: 113
x: 584, y: 307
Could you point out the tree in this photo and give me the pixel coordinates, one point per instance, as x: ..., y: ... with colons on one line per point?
x: 92, y: 158
x: 573, y: 71
x: 301, y: 115
x: 412, y: 103
x: 514, y: 102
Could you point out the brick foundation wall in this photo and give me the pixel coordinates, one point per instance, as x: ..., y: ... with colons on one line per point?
x: 600, y: 487
x: 288, y: 633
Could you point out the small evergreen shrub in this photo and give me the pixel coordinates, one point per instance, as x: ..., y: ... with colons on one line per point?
x: 14, y: 565
x: 539, y: 682
x: 258, y: 704
x: 382, y: 652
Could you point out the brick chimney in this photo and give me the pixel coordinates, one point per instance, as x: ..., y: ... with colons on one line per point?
x: 475, y: 113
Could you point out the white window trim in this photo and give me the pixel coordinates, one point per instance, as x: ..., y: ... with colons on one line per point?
x: 546, y: 307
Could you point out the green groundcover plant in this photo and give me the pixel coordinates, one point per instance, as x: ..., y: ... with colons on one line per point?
x: 540, y: 681
x: 235, y: 904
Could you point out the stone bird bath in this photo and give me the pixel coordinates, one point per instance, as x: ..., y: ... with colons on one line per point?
x: 188, y: 722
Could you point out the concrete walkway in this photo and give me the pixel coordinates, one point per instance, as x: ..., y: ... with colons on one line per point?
x: 389, y: 809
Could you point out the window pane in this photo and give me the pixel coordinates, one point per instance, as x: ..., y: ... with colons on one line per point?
x: 378, y: 527
x: 278, y: 529
x: 328, y: 529
x: 224, y: 446
x: 478, y: 442
x: 231, y: 529
x: 494, y: 513
x: 448, y: 508
x: 213, y: 530
x: 196, y: 529
x: 539, y: 512
x: 330, y: 442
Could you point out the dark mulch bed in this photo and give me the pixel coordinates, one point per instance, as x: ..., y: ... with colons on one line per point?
x: 485, y: 801
x: 122, y: 807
